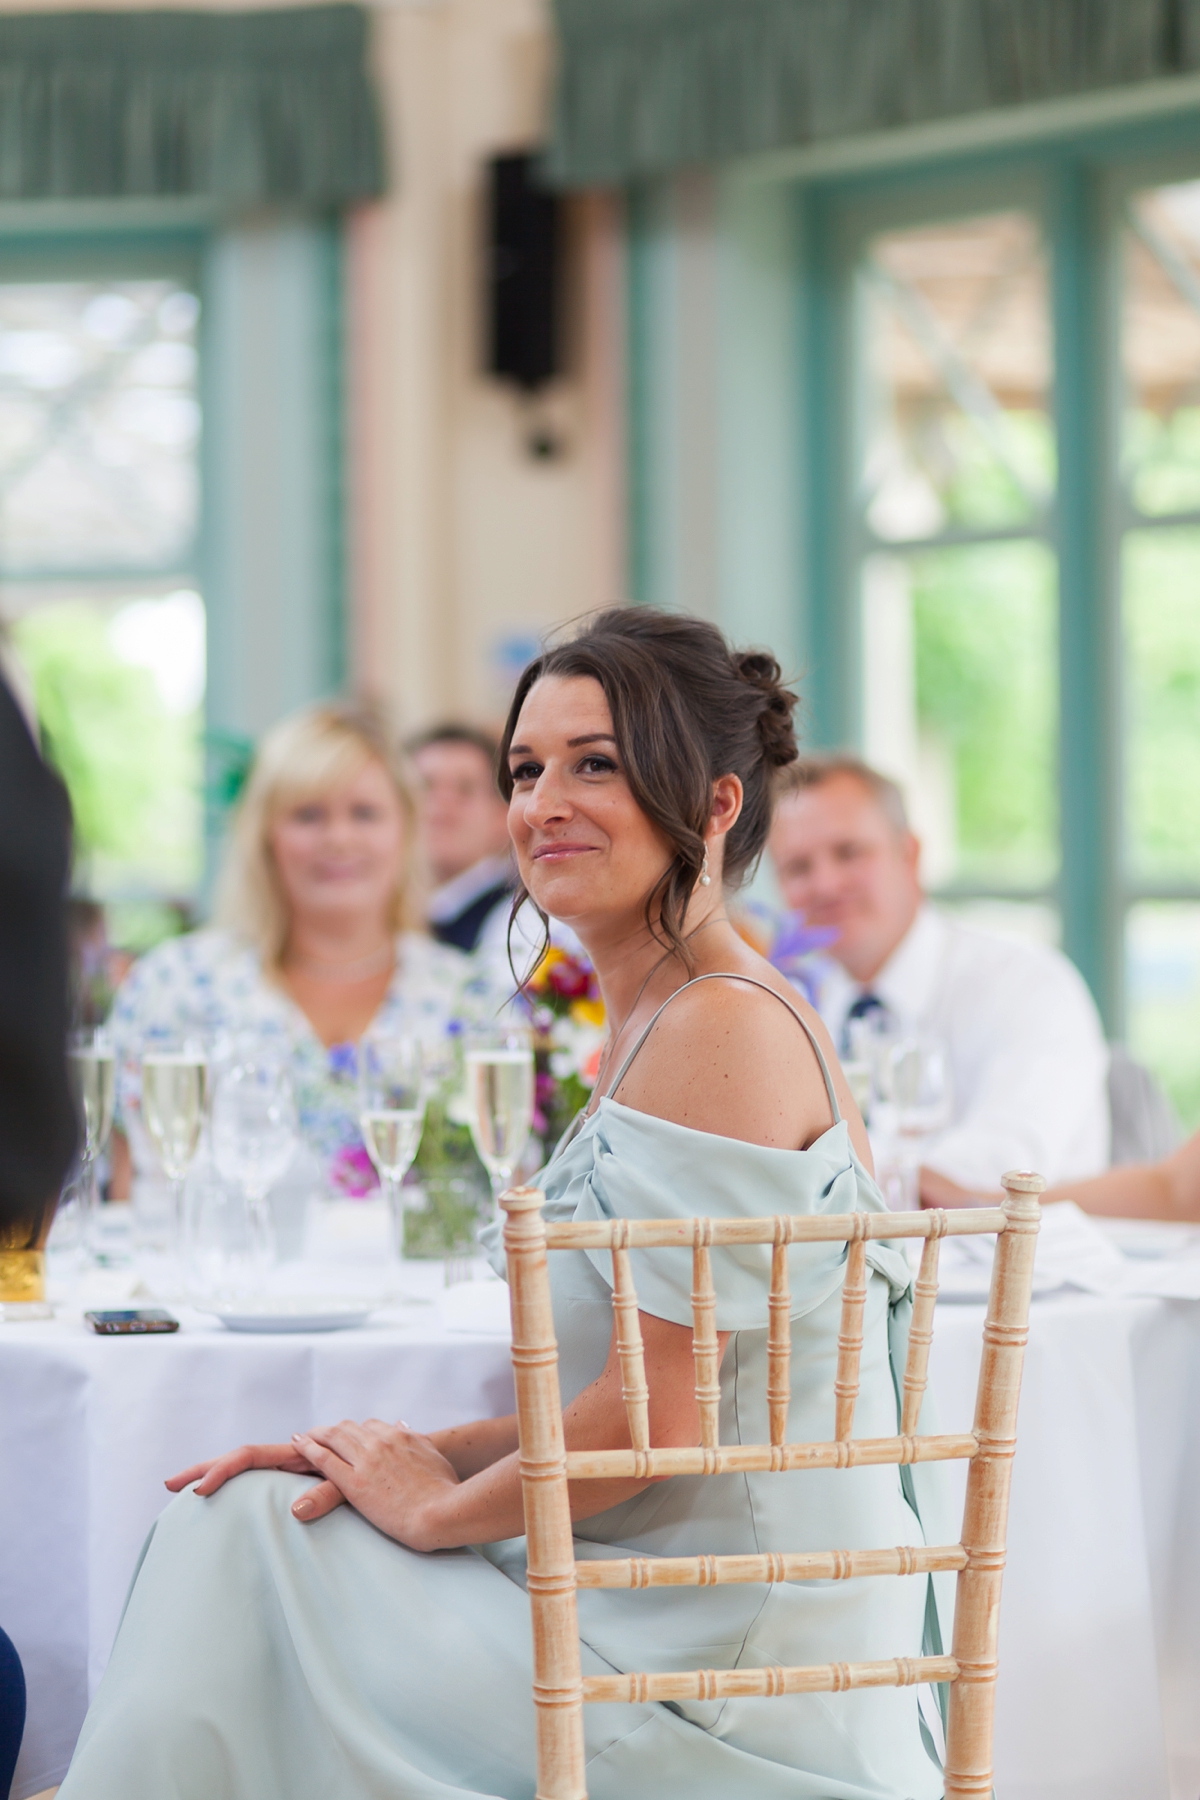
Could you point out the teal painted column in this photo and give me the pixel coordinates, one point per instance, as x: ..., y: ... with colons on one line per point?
x: 758, y: 422
x: 831, y: 643
x: 649, y: 407
x: 1089, y: 664
x: 273, y: 552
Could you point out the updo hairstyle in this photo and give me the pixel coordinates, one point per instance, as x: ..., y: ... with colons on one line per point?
x: 686, y: 709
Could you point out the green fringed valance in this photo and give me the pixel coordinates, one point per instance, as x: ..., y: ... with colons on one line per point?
x: 649, y: 85
x: 237, y: 107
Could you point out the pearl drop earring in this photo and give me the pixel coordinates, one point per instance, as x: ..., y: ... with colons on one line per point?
x: 705, y: 877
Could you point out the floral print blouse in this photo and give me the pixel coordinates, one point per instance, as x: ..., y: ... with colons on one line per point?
x: 210, y: 987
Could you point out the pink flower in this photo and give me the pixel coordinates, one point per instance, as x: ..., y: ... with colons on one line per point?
x: 352, y: 1172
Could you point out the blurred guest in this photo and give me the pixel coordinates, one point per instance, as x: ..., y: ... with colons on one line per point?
x: 463, y: 829
x: 37, y: 1122
x: 315, y: 940
x: 1026, y: 1052
x: 1168, y: 1189
x: 12, y: 1712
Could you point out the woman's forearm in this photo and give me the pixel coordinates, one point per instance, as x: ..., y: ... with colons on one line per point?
x: 469, y: 1449
x: 1163, y: 1190
x: 1133, y: 1191
x: 487, y: 1506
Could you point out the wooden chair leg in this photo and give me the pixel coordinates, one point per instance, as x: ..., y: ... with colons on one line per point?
x: 969, y: 1733
x: 557, y: 1675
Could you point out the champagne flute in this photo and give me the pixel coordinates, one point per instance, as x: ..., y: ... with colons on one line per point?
x: 174, y: 1093
x: 92, y: 1068
x: 391, y: 1115
x: 253, y: 1142
x: 500, y: 1092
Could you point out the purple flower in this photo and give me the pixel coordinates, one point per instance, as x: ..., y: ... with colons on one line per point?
x: 343, y: 1061
x: 796, y: 941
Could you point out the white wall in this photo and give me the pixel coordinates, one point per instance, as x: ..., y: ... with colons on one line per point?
x: 459, y: 539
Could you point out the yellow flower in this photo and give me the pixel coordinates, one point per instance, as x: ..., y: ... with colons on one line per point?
x: 588, y: 1012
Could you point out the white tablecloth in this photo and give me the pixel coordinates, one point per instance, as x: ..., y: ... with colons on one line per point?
x: 1100, y: 1653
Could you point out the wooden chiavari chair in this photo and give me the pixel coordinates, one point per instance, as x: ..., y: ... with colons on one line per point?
x: 559, y: 1687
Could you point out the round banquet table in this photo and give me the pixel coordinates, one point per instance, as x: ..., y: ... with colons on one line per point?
x: 1099, y: 1696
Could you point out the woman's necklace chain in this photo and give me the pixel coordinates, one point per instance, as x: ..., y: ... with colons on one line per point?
x: 361, y: 970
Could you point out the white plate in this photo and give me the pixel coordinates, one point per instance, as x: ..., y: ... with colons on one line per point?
x: 292, y: 1312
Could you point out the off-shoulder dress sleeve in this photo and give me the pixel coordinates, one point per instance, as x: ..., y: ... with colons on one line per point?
x: 633, y: 1166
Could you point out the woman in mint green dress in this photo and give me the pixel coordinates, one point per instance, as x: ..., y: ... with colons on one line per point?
x: 366, y: 1635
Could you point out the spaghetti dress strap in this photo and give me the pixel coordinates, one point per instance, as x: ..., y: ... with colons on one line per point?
x: 751, y: 981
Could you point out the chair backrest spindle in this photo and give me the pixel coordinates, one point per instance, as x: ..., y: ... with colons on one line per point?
x: 779, y: 1335
x: 850, y: 1336
x: 920, y: 1331
x: 969, y: 1729
x: 630, y: 1349
x: 550, y: 1543
x: 704, y: 1337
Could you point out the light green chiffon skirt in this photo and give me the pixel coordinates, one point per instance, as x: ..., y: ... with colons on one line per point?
x: 260, y: 1659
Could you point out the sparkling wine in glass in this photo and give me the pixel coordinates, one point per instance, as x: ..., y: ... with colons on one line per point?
x: 174, y: 1091
x: 92, y: 1069
x: 500, y: 1092
x: 253, y: 1141
x: 391, y: 1113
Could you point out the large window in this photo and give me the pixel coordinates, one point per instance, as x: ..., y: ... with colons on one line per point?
x: 1003, y: 542
x: 99, y: 522
x: 958, y: 583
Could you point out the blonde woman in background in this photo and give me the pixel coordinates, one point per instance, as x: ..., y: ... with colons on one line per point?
x: 315, y: 939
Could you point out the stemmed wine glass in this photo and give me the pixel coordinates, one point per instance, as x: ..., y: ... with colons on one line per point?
x: 174, y: 1095
x: 253, y: 1141
x: 500, y: 1093
x: 92, y: 1069
x: 391, y: 1113
x: 918, y: 1079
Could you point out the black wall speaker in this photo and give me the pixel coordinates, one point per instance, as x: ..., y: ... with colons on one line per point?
x: 524, y: 275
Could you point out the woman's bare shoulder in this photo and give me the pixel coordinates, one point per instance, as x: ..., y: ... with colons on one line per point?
x: 727, y: 1058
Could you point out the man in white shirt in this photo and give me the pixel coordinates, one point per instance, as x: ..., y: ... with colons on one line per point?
x: 1027, y: 1055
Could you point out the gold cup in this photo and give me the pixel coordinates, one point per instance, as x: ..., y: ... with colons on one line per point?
x: 22, y: 1277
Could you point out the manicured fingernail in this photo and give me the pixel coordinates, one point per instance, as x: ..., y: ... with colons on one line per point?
x: 303, y: 1509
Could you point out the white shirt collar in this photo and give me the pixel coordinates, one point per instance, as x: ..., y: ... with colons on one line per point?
x: 454, y: 896
x: 907, y: 982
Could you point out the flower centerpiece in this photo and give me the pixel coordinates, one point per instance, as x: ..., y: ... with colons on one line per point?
x: 446, y: 1190
x: 569, y: 1029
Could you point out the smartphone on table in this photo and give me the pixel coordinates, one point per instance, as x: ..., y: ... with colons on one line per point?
x: 133, y: 1323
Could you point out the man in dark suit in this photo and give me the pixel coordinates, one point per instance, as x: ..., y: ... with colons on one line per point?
x: 37, y: 1122
x: 464, y: 836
